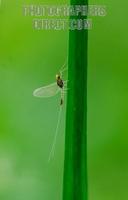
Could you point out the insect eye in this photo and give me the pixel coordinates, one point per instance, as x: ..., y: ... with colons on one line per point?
x: 57, y: 76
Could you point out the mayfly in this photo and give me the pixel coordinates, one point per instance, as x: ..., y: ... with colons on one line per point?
x: 54, y: 88
x: 59, y: 86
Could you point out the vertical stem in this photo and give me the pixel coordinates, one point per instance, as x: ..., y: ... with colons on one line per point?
x: 75, y: 163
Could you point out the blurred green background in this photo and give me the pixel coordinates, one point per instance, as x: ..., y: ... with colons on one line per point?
x: 30, y: 59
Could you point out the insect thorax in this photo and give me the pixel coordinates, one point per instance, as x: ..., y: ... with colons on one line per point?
x: 60, y: 82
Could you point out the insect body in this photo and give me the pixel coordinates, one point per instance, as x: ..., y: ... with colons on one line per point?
x: 60, y: 83
x: 52, y: 89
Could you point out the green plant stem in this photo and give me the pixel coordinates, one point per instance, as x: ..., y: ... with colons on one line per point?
x: 75, y: 162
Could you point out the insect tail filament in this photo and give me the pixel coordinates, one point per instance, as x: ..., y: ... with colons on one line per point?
x: 55, y: 136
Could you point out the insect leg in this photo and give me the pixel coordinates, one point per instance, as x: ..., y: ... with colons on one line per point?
x: 65, y: 82
x: 65, y: 88
x: 63, y: 68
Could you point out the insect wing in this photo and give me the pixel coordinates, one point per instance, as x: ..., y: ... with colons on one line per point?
x: 47, y: 91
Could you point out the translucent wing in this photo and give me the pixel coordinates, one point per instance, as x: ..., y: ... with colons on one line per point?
x: 47, y: 91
